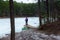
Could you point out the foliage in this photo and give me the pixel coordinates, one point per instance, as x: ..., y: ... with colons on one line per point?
x: 24, y: 9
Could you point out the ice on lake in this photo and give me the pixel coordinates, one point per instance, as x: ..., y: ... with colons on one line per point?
x: 19, y: 24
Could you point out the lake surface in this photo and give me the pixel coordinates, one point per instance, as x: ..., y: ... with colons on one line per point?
x: 19, y: 24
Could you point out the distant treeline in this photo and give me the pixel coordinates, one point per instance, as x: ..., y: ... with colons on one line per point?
x: 23, y: 9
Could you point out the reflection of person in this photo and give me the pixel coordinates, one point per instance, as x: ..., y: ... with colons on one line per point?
x: 26, y: 20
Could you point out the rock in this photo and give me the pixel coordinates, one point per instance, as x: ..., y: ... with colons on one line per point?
x: 31, y: 35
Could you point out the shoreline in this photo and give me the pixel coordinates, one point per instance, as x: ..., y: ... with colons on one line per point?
x: 9, y: 17
x: 34, y: 34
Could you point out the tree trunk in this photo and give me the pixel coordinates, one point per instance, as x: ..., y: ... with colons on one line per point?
x: 54, y: 11
x: 12, y: 20
x: 52, y: 7
x: 47, y: 5
x: 43, y: 11
x: 39, y: 13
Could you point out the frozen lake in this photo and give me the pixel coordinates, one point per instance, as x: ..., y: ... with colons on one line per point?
x: 19, y: 24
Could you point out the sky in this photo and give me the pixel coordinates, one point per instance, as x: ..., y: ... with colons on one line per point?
x: 26, y: 1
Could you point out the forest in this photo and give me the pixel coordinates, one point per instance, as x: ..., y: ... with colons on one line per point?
x: 42, y: 9
x: 27, y: 9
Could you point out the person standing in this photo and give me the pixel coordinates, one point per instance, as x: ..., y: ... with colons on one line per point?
x: 26, y: 21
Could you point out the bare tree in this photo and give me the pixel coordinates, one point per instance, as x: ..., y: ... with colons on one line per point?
x: 52, y: 9
x: 47, y: 5
x: 12, y: 20
x: 43, y: 10
x: 39, y: 13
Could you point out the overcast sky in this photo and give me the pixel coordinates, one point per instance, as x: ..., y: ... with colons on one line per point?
x: 26, y: 1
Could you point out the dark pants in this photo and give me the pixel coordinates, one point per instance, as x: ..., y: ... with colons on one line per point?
x: 26, y: 22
